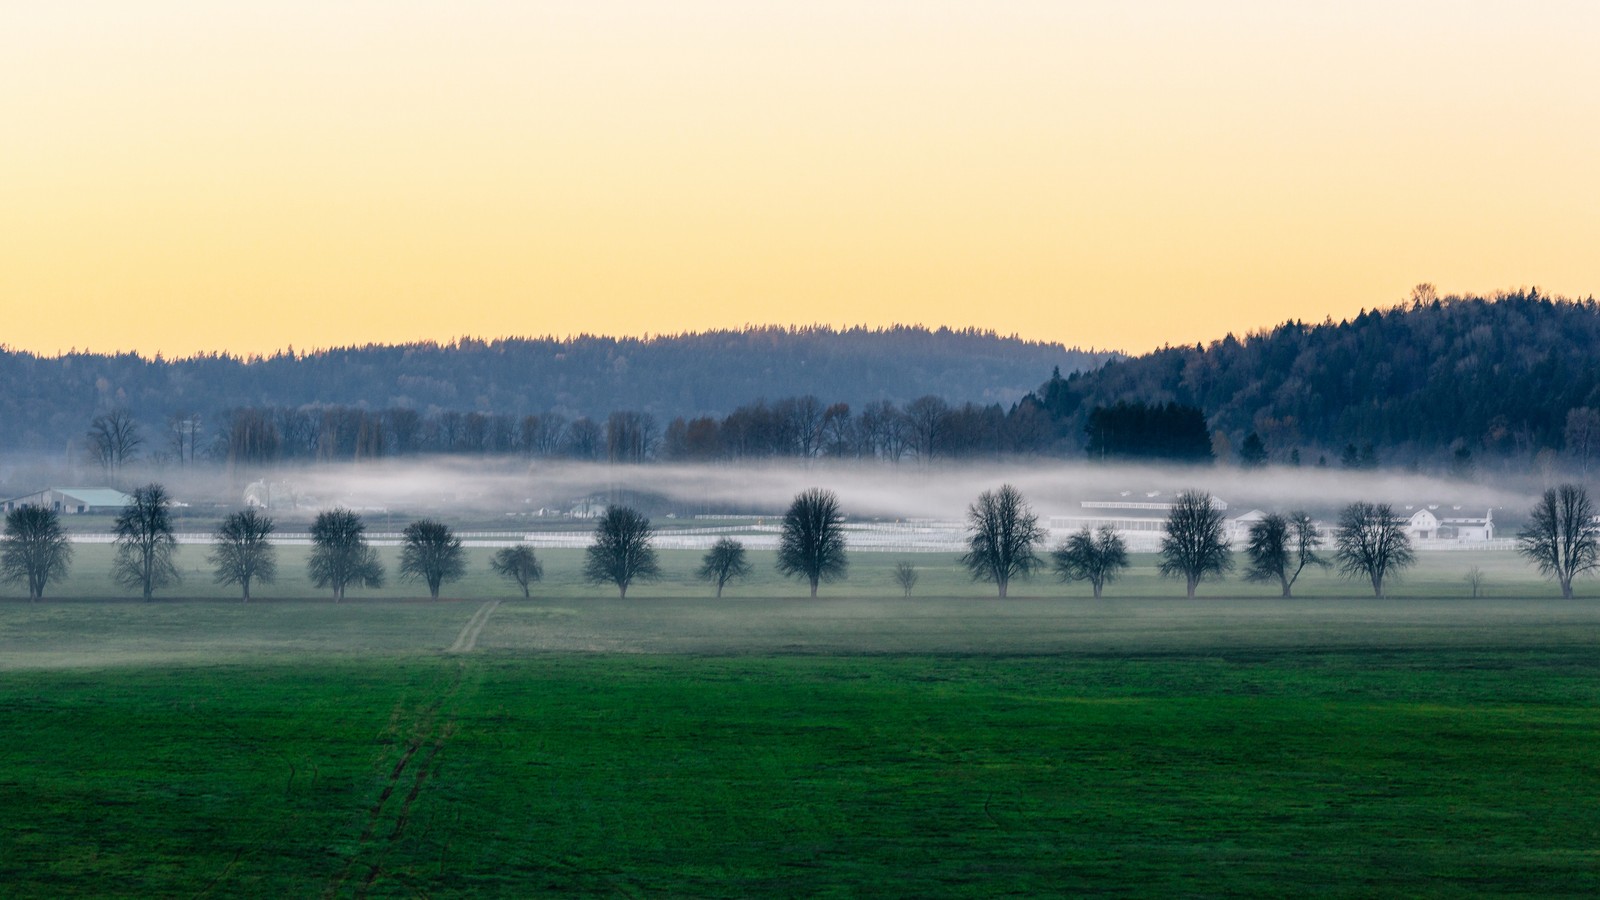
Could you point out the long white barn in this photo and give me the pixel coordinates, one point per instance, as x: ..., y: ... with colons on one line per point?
x: 71, y: 501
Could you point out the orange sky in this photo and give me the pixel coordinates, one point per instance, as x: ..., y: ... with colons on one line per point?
x: 193, y: 176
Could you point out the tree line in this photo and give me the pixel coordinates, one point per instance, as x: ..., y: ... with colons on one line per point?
x: 46, y: 400
x: 249, y: 438
x: 1562, y: 540
x: 1445, y: 383
x: 1455, y: 384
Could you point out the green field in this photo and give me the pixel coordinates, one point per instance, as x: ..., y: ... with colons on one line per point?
x: 862, y: 744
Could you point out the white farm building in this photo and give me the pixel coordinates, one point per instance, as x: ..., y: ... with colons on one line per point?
x: 1432, y: 523
x: 72, y: 501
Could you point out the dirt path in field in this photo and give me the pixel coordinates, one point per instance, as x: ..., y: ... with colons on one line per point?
x: 468, y: 638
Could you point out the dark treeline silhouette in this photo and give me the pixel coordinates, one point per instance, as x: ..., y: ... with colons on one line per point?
x: 792, y: 427
x: 1167, y: 431
x: 1454, y: 382
x: 1463, y: 386
x: 47, y: 401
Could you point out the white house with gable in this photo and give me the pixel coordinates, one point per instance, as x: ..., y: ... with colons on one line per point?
x: 1434, y: 523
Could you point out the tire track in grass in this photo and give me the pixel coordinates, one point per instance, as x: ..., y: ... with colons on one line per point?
x: 426, y: 732
x: 468, y: 638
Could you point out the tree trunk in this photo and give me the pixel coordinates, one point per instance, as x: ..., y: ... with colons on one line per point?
x: 246, y: 591
x: 719, y: 590
x: 1003, y: 586
x: 1286, y: 585
x: 1097, y: 587
x: 622, y: 590
x: 813, y: 588
x: 1192, y: 584
x: 1377, y: 587
x: 1566, y: 588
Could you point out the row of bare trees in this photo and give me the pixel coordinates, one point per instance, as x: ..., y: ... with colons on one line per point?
x: 811, y: 547
x: 1562, y: 539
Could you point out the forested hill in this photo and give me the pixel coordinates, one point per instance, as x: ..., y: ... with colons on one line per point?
x: 47, y: 401
x: 1494, y: 376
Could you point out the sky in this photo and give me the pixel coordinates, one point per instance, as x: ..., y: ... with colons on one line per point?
x: 184, y: 177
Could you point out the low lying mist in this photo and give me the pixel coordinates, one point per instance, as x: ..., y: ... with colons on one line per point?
x: 513, y: 487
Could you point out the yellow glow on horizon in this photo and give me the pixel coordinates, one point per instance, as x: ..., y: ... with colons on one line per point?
x: 185, y: 177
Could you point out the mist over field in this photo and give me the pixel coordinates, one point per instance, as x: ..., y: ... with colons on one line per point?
x: 480, y: 486
x: 907, y: 491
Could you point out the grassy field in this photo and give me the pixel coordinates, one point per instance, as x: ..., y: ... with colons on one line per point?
x: 863, y: 744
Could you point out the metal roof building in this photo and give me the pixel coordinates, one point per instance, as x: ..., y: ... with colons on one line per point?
x: 70, y: 500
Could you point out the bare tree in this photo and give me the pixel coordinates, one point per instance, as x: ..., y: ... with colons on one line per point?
x: 804, y: 424
x: 1097, y: 557
x: 1002, y: 531
x: 1582, y: 435
x: 113, y: 440
x: 630, y: 436
x: 145, y: 542
x: 250, y: 437
x: 35, y: 549
x: 584, y: 439
x: 431, y: 553
x: 838, y: 431
x: 905, y: 575
x: 1561, y: 537
x: 811, y: 544
x: 881, y: 431
x: 1371, y: 542
x: 183, y: 432
x: 548, y: 434
x: 1195, y: 547
x: 926, y: 419
x: 621, y: 553
x: 724, y: 562
x: 340, y: 554
x: 1280, y: 548
x: 242, y: 552
x: 519, y: 564
x: 405, y: 429
x: 1475, y: 580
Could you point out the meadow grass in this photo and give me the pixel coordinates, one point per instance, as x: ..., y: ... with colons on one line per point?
x: 1358, y: 773
x: 948, y: 744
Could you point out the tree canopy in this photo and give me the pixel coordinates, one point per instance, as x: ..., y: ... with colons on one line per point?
x: 1371, y: 542
x: 35, y: 549
x: 724, y: 562
x: 1002, y: 531
x: 242, y: 552
x: 518, y: 564
x: 145, y: 542
x: 431, y: 553
x: 621, y: 552
x: 340, y: 554
x: 811, y: 544
x: 1561, y: 537
x: 1195, y: 546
